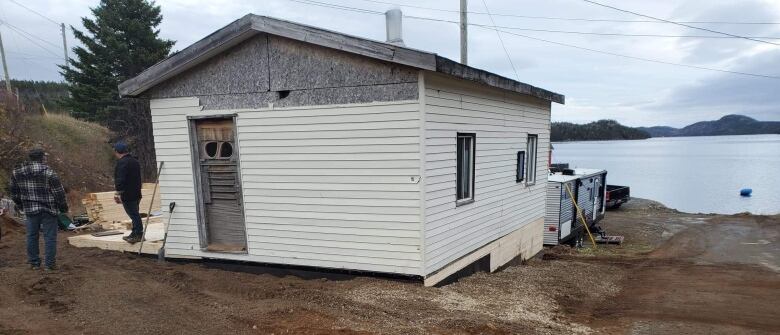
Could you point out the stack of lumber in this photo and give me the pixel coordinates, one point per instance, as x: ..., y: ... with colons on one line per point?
x: 102, y: 209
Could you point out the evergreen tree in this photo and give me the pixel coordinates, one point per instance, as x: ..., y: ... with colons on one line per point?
x: 121, y: 41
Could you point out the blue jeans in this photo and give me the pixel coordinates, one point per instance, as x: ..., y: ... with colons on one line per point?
x: 131, y: 208
x: 48, y: 224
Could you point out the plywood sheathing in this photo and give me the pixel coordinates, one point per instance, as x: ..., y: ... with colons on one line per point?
x: 269, y: 69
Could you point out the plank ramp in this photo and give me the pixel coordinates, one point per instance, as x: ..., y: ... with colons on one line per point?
x: 154, y: 235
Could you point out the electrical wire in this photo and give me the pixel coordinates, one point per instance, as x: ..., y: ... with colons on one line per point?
x: 318, y: 3
x: 517, y: 76
x: 335, y: 6
x: 22, y: 34
x: 641, y: 58
x: 29, y: 34
x: 35, y: 12
x: 362, y: 10
x: 566, y: 18
x: 678, y: 23
x: 587, y: 32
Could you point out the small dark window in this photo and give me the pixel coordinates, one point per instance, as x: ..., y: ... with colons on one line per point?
x: 532, y: 146
x: 211, y: 149
x: 226, y: 150
x: 520, y: 173
x: 465, y: 168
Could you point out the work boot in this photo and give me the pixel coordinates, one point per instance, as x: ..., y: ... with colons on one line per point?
x: 132, y: 239
x: 51, y: 268
x: 35, y: 267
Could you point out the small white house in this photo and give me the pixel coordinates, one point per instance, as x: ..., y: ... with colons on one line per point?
x: 289, y: 144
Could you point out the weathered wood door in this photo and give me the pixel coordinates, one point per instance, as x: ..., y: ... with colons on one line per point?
x: 220, y: 185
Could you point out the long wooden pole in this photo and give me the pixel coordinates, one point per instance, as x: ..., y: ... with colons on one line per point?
x: 579, y: 213
x: 5, y: 67
x: 151, y: 204
x: 64, y: 44
x: 464, y: 32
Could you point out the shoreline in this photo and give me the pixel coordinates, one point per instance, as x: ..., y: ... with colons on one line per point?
x: 654, y: 204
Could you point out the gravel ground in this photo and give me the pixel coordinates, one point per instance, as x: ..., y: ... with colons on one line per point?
x: 666, y: 278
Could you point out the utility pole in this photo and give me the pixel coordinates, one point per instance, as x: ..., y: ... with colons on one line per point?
x: 64, y: 44
x: 464, y: 54
x: 5, y: 67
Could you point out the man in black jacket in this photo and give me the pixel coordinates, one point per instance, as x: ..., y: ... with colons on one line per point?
x: 127, y: 179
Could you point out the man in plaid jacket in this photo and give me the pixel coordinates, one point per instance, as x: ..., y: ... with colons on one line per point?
x: 37, y: 191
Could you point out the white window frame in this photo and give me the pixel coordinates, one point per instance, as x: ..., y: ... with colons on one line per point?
x: 461, y: 197
x: 532, y: 153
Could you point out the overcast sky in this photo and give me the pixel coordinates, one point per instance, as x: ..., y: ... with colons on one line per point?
x: 596, y: 86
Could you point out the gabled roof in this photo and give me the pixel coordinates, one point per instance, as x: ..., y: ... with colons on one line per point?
x: 251, y: 25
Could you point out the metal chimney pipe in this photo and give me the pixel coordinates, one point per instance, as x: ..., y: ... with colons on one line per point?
x: 394, y: 30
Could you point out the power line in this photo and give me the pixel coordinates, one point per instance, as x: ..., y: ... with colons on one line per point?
x: 360, y: 10
x: 567, y: 18
x: 642, y: 59
x: 31, y: 55
x: 517, y: 76
x: 35, y: 12
x: 22, y: 34
x: 335, y: 6
x: 587, y: 32
x: 678, y: 23
x: 29, y: 34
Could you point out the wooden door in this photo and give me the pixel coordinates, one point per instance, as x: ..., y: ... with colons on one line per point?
x: 220, y: 186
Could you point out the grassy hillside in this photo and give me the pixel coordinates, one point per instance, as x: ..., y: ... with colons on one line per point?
x: 78, y: 151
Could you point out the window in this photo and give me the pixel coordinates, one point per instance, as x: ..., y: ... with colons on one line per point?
x: 530, y: 171
x: 520, y: 173
x: 465, y: 166
x: 211, y: 149
x: 226, y: 150
x: 217, y: 150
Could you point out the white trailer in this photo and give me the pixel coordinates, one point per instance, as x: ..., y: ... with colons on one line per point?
x: 586, y: 187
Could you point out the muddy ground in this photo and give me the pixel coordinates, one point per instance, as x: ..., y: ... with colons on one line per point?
x: 677, y: 273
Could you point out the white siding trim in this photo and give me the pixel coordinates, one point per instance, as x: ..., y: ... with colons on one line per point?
x: 423, y: 164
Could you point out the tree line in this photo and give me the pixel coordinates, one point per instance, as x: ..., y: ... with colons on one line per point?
x: 594, y: 131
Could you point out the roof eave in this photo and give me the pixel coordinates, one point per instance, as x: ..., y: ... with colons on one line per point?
x: 453, y: 68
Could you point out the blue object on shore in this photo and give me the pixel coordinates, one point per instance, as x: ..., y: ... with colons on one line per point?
x: 745, y: 192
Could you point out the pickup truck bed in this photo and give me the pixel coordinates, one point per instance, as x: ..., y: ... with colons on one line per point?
x: 617, y: 195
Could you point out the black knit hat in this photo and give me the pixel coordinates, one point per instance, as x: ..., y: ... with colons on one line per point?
x: 36, y: 154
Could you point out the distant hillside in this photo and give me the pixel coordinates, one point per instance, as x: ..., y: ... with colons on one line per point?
x: 727, y: 125
x: 595, y: 131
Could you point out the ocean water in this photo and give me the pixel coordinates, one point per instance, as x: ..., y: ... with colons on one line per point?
x: 690, y: 174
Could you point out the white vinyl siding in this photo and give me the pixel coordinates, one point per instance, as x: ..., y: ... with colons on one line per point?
x: 326, y: 186
x: 501, y: 121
